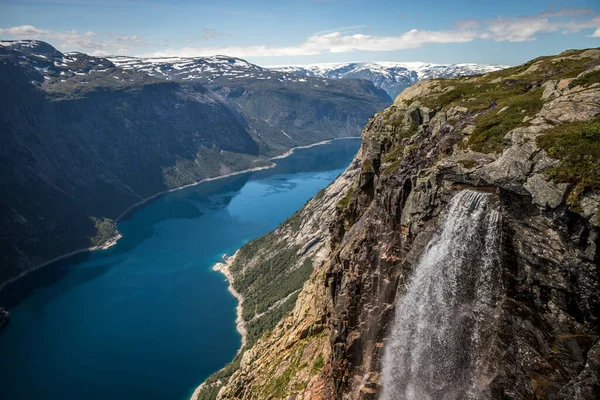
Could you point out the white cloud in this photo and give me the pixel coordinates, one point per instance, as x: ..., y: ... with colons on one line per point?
x: 209, y: 33
x: 127, y: 38
x: 521, y: 29
x: 334, y: 42
x: 514, y: 29
x: 90, y: 42
x: 341, y: 40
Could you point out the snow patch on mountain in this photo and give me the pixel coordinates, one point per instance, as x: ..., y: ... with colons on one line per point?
x: 393, y: 77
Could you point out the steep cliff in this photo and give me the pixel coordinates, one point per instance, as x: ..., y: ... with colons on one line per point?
x: 528, y: 139
x: 283, y: 303
x: 84, y: 139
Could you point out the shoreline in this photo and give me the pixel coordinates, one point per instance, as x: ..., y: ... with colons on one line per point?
x: 308, y: 146
x: 117, y: 235
x: 223, y: 267
x: 240, y: 325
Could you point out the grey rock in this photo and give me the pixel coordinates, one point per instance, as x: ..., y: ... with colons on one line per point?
x: 580, y: 106
x: 590, y: 206
x: 545, y: 193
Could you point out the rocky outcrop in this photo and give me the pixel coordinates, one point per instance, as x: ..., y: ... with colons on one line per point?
x: 549, y: 324
x: 530, y: 144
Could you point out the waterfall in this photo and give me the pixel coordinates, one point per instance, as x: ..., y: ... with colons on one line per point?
x: 441, y: 341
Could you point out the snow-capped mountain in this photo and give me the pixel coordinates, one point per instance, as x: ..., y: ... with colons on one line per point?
x: 203, y: 69
x: 58, y: 68
x: 393, y: 77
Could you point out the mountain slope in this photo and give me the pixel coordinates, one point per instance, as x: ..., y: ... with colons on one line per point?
x: 525, y: 139
x: 282, y: 109
x: 393, y: 77
x: 84, y: 139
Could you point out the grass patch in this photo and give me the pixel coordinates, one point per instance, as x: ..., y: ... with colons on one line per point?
x: 467, y: 163
x: 577, y: 147
x: 392, y: 167
x: 491, y: 127
x: 320, y: 194
x: 211, y: 388
x: 278, y: 387
x: 345, y: 201
x: 294, y: 221
x: 318, y: 364
x: 395, y: 154
x: 587, y: 79
x: 561, y: 68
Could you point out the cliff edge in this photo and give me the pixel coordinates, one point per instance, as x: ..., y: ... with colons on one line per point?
x: 529, y: 138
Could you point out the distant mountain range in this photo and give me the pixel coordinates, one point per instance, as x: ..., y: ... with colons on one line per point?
x: 84, y: 137
x: 393, y: 77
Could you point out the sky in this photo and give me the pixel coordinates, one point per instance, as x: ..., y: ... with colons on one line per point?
x: 301, y: 32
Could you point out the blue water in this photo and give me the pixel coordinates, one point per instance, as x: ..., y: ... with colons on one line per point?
x: 148, y: 318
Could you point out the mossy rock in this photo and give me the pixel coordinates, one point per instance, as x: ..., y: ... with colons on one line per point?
x: 577, y: 147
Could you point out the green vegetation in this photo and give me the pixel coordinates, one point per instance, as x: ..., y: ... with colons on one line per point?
x: 491, y: 127
x: 587, y: 79
x: 345, y: 201
x: 209, y: 162
x: 271, y: 278
x: 504, y: 98
x: 367, y: 166
x: 105, y: 230
x: 270, y: 281
x: 263, y: 325
x: 320, y: 194
x: 211, y: 388
x: 561, y: 67
x: 295, y: 221
x: 509, y: 103
x: 577, y: 147
x: 279, y: 385
x: 319, y: 363
x: 392, y: 167
x: 467, y: 163
x: 394, y: 155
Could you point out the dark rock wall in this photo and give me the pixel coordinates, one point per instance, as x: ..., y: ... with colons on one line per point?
x: 549, y: 330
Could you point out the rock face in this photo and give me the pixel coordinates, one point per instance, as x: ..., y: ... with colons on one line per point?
x: 283, y: 356
x: 537, y: 161
x: 84, y: 139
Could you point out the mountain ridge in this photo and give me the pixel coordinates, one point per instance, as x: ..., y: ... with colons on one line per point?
x: 391, y: 76
x: 84, y: 139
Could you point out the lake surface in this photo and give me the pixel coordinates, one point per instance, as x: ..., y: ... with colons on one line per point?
x: 148, y: 318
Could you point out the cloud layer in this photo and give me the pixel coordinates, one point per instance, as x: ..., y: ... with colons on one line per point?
x: 90, y: 42
x: 342, y: 40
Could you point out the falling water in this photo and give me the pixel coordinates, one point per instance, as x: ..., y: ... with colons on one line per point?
x: 441, y: 342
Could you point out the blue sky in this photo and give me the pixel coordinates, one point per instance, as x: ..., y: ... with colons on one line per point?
x: 308, y: 31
